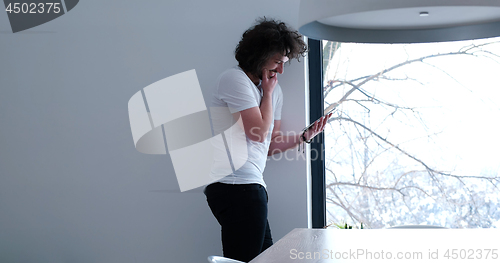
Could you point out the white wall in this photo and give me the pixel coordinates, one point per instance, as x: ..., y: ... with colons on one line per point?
x: 72, y: 186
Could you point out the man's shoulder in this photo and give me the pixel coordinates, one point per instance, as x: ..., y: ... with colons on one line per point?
x: 234, y: 72
x: 233, y: 78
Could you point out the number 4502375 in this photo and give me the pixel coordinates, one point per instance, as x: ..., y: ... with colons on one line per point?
x: 32, y: 8
x: 471, y: 254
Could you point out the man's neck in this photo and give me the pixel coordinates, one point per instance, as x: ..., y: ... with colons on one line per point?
x: 253, y: 78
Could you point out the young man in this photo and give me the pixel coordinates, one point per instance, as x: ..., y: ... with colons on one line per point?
x: 251, y: 92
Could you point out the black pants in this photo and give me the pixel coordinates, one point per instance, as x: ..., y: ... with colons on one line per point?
x: 241, y: 210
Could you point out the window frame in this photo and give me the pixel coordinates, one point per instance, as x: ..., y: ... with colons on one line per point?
x: 316, y: 108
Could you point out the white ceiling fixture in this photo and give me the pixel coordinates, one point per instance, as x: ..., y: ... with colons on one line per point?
x: 399, y: 21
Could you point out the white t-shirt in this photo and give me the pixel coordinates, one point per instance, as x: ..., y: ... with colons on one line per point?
x: 237, y: 92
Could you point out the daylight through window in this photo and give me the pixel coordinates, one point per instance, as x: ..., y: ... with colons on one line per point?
x: 415, y: 134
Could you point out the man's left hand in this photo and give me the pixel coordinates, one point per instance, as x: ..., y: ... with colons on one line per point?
x: 317, y: 127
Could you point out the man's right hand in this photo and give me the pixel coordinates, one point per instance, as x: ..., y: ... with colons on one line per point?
x: 257, y: 120
x: 269, y: 81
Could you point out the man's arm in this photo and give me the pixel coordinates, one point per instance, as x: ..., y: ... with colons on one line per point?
x: 281, y: 143
x: 257, y: 120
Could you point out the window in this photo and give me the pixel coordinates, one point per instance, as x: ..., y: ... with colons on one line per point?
x: 414, y: 138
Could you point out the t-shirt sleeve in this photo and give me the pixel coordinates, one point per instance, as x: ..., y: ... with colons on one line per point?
x: 235, y: 90
x: 279, y: 104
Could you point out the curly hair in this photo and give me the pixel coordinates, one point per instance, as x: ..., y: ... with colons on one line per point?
x: 263, y: 40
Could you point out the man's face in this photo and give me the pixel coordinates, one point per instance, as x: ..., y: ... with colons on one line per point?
x: 275, y: 65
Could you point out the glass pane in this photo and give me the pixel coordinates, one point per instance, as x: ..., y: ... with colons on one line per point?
x: 414, y: 137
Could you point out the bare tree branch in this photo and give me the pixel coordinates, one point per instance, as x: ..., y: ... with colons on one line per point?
x: 403, y: 179
x: 427, y: 167
x: 378, y: 74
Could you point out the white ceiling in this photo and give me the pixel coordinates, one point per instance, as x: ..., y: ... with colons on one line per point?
x: 409, y: 18
x: 399, y: 21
